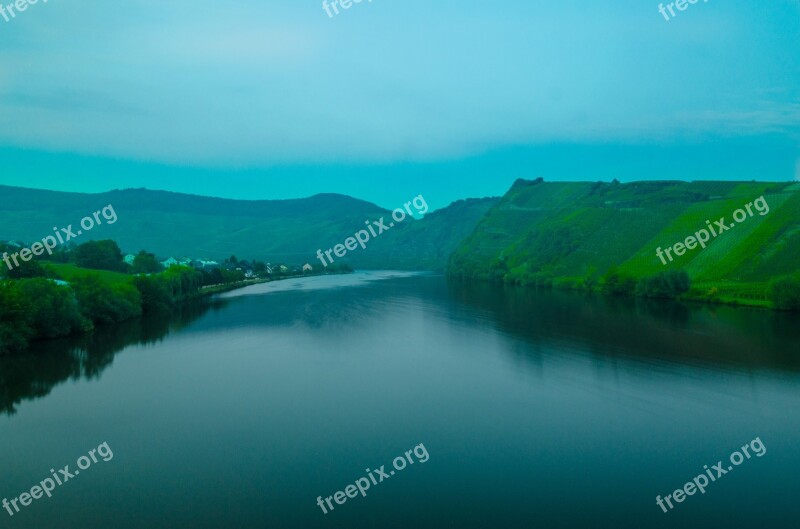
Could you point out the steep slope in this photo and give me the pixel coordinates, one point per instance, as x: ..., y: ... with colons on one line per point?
x: 566, y: 232
x: 424, y: 244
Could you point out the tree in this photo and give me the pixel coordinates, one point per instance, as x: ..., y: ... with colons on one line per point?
x: 590, y: 279
x: 100, y: 255
x: 155, y: 293
x: 26, y: 269
x: 16, y: 318
x: 162, y: 291
x: 667, y: 285
x: 678, y: 281
x: 61, y: 254
x: 102, y: 302
x: 54, y: 308
x: 212, y: 277
x: 146, y: 263
x: 498, y: 270
x: 232, y: 276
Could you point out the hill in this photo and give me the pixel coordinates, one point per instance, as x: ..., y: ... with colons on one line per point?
x: 572, y: 233
x: 287, y: 231
x: 426, y: 244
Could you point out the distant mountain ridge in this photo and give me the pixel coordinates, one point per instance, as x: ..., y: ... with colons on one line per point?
x: 175, y: 224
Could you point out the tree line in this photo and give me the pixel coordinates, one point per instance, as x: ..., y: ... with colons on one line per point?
x: 39, y: 308
x: 34, y: 305
x: 783, y: 292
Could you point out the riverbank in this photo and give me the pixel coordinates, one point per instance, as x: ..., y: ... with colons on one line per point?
x: 227, y: 287
x: 782, y: 294
x: 33, y: 310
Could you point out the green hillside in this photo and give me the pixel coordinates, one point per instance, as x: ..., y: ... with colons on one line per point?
x: 425, y: 244
x: 72, y: 273
x: 572, y: 234
x: 279, y: 231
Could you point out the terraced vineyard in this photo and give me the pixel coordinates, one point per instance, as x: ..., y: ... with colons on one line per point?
x: 572, y: 234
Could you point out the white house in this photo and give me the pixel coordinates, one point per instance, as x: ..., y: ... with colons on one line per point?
x: 169, y: 262
x: 307, y: 268
x: 129, y: 258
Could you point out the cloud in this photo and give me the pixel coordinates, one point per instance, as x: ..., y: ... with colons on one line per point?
x: 201, y: 82
x: 219, y: 44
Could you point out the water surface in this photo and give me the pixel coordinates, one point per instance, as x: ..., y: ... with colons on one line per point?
x: 538, y: 409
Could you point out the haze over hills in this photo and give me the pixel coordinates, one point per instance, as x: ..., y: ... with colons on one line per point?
x: 287, y: 231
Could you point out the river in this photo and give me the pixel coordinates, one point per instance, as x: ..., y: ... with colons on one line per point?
x: 535, y: 409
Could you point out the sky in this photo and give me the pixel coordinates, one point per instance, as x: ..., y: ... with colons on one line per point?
x: 259, y: 99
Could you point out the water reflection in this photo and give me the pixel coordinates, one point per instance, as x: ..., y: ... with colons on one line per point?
x: 35, y: 373
x: 651, y: 329
x: 546, y: 409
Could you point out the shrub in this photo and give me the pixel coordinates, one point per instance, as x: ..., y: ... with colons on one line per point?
x: 667, y: 285
x: 712, y: 295
x: 568, y: 283
x: 616, y: 284
x: 590, y: 280
x: 784, y: 292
